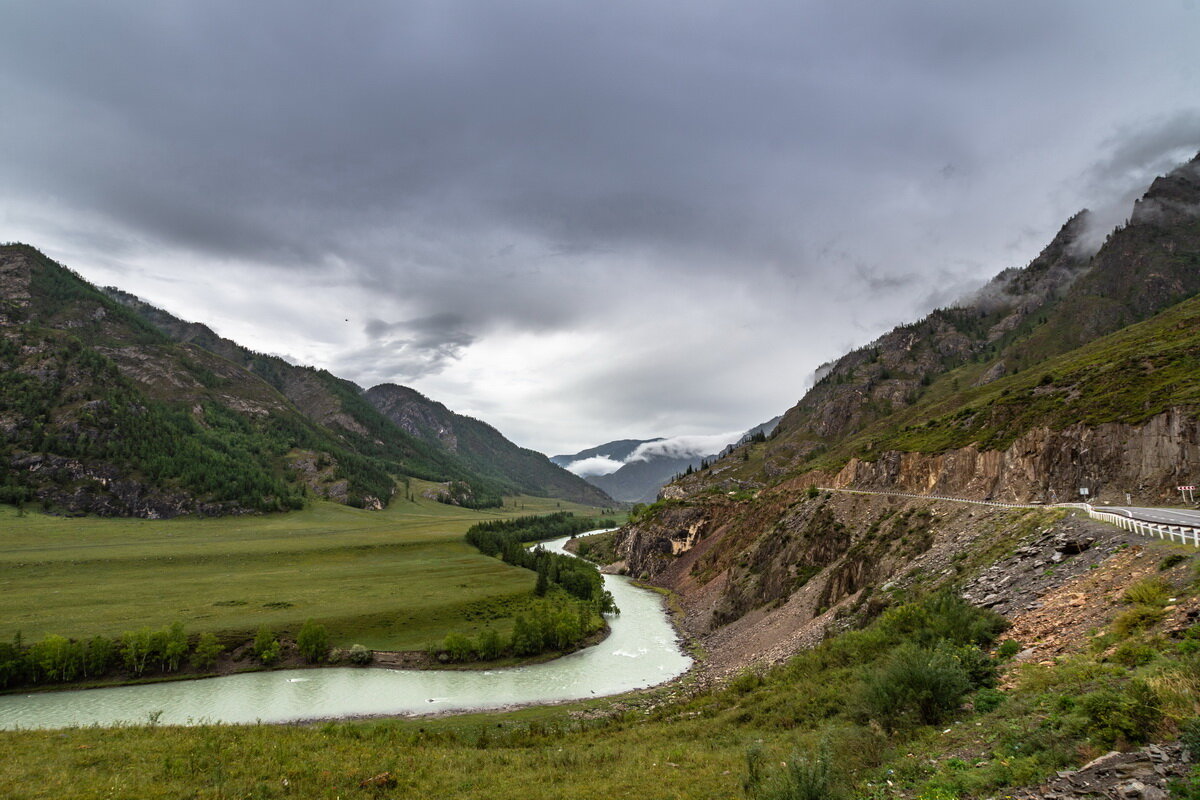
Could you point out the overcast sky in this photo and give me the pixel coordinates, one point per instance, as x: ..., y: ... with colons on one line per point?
x: 579, y: 221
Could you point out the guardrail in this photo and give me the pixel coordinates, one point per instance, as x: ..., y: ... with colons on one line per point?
x: 1183, y: 534
x: 935, y: 497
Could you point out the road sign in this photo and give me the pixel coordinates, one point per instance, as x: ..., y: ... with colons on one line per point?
x: 1187, y: 488
x: 1083, y: 491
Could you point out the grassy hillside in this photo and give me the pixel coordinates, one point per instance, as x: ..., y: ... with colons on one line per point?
x: 397, y: 579
x: 1126, y: 377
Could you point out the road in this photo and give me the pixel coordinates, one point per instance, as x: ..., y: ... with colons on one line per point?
x: 1163, y: 516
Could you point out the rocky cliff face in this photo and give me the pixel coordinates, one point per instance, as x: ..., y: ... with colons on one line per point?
x: 1146, y: 461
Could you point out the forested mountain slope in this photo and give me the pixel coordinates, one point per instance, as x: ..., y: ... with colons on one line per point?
x: 110, y: 406
x: 403, y: 420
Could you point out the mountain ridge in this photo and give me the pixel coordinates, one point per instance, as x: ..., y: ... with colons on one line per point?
x: 111, y: 406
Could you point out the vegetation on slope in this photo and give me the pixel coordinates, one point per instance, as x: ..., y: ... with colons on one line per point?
x: 1126, y: 377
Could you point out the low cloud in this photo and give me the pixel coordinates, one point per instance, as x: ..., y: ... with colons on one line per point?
x: 687, y: 446
x: 1138, y: 155
x: 596, y: 465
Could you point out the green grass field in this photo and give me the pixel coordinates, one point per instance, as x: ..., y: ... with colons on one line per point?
x: 397, y: 579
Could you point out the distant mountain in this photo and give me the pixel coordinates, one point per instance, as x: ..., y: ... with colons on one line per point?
x: 646, y: 465
x: 111, y: 406
x: 614, y: 451
x: 483, y: 448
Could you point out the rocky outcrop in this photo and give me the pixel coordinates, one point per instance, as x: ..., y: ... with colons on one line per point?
x: 78, y: 487
x: 1144, y: 774
x: 1146, y: 461
x: 14, y: 287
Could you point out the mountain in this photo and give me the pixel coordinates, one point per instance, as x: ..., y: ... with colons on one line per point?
x: 968, y: 368
x: 110, y: 406
x: 480, y: 446
x: 649, y: 464
x: 618, y: 450
x: 1079, y: 370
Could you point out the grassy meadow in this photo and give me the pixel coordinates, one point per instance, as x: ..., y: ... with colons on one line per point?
x: 394, y: 579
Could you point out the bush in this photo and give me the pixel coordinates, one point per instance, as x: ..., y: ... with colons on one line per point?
x: 360, y: 655
x: 1172, y: 560
x: 1138, y: 618
x: 1153, y: 592
x: 988, y: 699
x: 916, y: 685
x: 1127, y: 716
x: 1134, y: 654
x: 266, y: 648
x: 1007, y: 649
x: 802, y: 777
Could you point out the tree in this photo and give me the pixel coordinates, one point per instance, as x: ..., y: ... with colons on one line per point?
x: 136, y: 648
x: 175, y: 647
x: 313, y: 642
x: 490, y: 645
x: 458, y: 646
x: 266, y: 647
x: 207, y: 650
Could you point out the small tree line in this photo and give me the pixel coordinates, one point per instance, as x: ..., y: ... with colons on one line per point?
x: 555, y: 623
x: 137, y: 653
x: 506, y: 539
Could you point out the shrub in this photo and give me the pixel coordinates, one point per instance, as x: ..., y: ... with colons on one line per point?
x: 271, y: 654
x: 1007, y: 649
x: 1172, y: 560
x: 1138, y: 618
x: 1153, y: 592
x: 988, y: 699
x: 360, y: 655
x: 1133, y: 654
x: 802, y: 777
x: 266, y: 647
x: 916, y: 684
x: 1125, y: 716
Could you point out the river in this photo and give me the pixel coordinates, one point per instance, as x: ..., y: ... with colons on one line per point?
x: 642, y: 650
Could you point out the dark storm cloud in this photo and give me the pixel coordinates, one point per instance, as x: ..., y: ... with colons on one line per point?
x: 479, y: 169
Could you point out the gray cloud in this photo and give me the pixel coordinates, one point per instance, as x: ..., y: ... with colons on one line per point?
x: 409, y: 349
x: 764, y: 182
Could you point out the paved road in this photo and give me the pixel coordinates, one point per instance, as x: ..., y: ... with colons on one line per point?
x: 1164, y: 516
